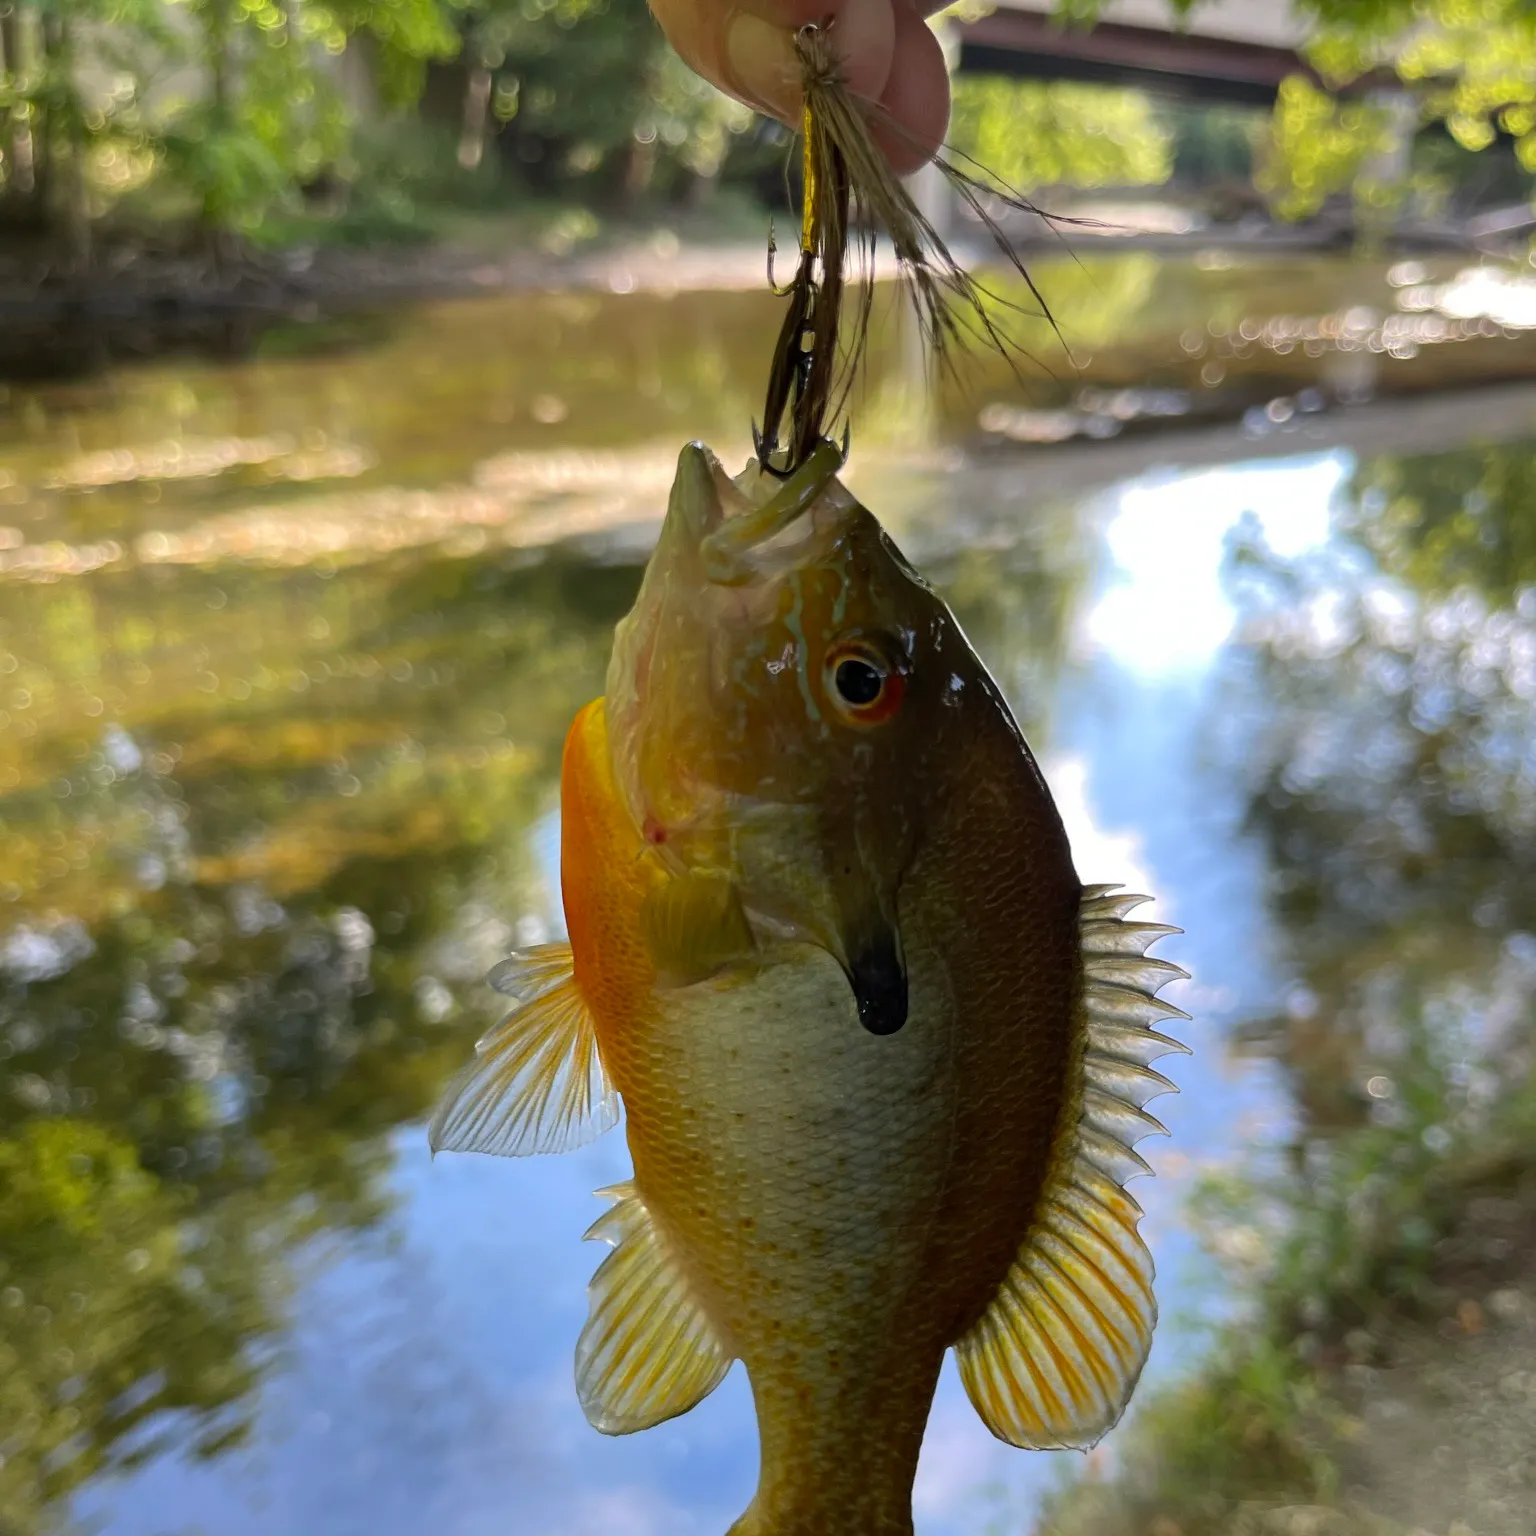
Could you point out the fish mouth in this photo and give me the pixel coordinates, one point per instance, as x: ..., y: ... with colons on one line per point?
x: 750, y: 526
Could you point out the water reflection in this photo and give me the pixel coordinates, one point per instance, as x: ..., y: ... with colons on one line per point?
x: 249, y: 918
x: 287, y: 650
x: 1392, y: 762
x: 1378, y: 715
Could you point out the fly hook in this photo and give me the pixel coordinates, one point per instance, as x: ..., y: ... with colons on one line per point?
x: 801, y: 374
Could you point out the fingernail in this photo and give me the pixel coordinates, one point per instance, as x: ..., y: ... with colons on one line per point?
x: 762, y: 57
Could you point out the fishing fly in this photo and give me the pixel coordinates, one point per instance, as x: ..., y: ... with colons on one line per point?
x: 850, y: 199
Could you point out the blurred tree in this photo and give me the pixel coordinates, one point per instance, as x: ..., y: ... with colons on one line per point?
x: 1317, y: 146
x: 583, y: 93
x: 590, y: 90
x: 69, y: 85
x: 1472, y: 63
x: 273, y: 116
x: 268, y: 113
x: 1469, y: 64
x: 1464, y: 520
x: 1060, y: 133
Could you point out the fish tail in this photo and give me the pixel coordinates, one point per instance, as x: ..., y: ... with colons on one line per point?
x: 838, y: 1466
x: 758, y: 1522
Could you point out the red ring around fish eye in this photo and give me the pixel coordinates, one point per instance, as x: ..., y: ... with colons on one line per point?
x: 861, y: 682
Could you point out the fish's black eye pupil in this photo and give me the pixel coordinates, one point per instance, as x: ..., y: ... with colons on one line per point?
x: 857, y: 682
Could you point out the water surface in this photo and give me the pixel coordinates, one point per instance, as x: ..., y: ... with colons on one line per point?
x: 287, y: 650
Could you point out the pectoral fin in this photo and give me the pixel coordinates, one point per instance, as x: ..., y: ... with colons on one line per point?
x: 693, y: 926
x: 648, y: 1352
x: 536, y: 1083
x: 1053, y: 1361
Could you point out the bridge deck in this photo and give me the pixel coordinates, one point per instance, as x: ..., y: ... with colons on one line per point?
x: 1233, y: 50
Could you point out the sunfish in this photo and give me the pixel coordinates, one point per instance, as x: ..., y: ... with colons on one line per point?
x: 882, y: 1057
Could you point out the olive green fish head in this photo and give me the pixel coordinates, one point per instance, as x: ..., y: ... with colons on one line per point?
x: 786, y: 709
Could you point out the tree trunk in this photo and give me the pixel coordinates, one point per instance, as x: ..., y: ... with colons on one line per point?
x: 477, y: 117
x: 216, y: 44
x: 77, y: 205
x: 44, y: 127
x: 10, y: 79
x: 63, y: 191
x: 17, y: 142
x: 639, y: 169
x: 702, y: 186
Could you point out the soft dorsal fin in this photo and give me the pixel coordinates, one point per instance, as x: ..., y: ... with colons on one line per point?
x: 1053, y: 1361
x: 536, y: 1083
x: 647, y: 1352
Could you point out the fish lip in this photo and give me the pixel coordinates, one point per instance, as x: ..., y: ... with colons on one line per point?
x: 701, y: 492
x: 696, y: 498
x: 761, y: 530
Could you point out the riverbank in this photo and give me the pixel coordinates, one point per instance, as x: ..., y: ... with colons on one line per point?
x: 1383, y: 1379
x: 139, y: 300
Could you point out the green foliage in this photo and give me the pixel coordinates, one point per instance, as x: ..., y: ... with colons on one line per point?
x: 273, y: 117
x: 567, y: 68
x: 689, y: 117
x: 1059, y: 133
x: 1333, y: 1251
x: 267, y: 114
x: 1469, y: 64
x: 1086, y: 12
x: 406, y: 35
x: 581, y: 92
x: 1247, y: 1430
x: 71, y: 87
x: 1318, y: 146
x: 591, y: 88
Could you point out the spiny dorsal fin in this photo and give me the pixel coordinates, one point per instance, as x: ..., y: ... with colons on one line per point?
x: 647, y: 1352
x: 536, y: 1083
x: 1053, y: 1361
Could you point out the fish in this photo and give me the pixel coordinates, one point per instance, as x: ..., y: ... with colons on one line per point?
x: 882, y: 1058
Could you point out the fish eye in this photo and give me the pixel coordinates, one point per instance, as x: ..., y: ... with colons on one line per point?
x: 862, y: 683
x: 857, y: 682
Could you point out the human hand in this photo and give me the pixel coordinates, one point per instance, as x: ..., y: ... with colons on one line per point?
x: 746, y: 47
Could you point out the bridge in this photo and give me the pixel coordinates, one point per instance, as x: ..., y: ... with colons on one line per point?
x: 1228, y: 50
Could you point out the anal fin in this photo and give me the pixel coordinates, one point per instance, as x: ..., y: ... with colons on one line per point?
x: 536, y: 1083
x: 647, y: 1352
x: 1053, y: 1361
